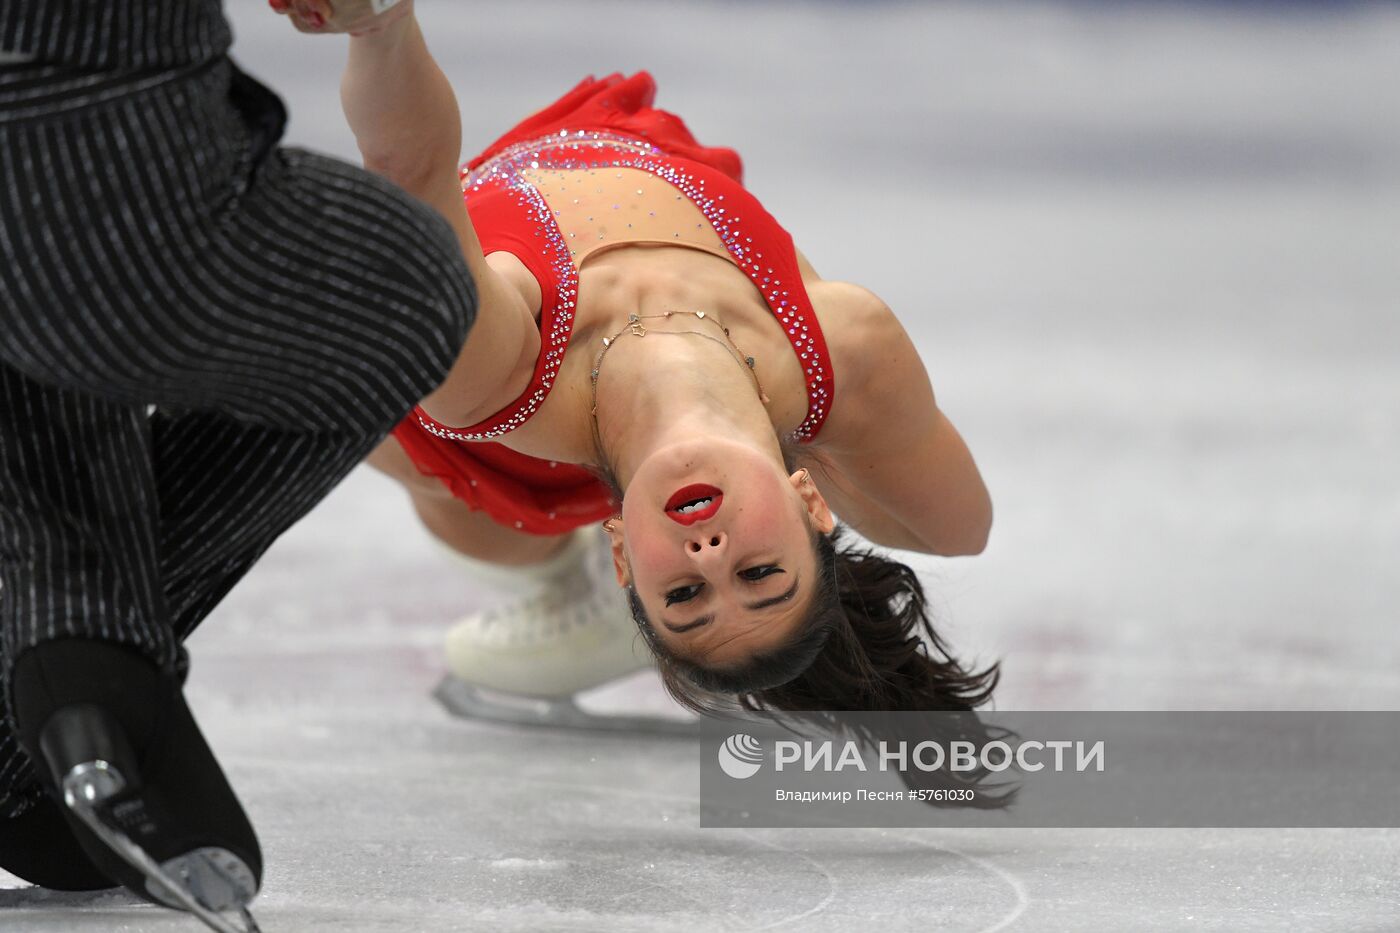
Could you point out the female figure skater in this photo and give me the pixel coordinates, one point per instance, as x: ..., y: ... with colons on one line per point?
x: 683, y: 376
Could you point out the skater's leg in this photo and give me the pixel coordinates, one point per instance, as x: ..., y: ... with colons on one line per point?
x: 84, y: 627
x: 451, y: 521
x: 189, y: 296
x: 177, y: 258
x: 355, y: 330
x: 78, y: 508
x: 76, y: 551
x: 228, y: 490
x: 566, y: 627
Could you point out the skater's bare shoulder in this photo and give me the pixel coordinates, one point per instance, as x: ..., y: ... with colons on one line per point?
x: 894, y: 466
x: 872, y: 360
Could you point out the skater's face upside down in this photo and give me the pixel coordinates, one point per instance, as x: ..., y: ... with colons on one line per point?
x: 716, y: 539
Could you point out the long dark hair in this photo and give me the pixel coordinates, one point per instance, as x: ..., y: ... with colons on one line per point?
x: 866, y: 646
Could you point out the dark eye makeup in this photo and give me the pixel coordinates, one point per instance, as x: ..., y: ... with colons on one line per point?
x: 684, y: 594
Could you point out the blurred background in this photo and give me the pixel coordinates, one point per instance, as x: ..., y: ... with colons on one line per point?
x: 1150, y: 253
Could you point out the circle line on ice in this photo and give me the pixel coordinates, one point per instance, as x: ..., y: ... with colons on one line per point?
x: 740, y: 756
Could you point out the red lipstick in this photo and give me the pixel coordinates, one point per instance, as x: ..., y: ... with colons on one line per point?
x: 693, y: 493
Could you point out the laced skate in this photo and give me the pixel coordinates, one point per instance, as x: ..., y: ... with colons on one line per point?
x: 524, y: 662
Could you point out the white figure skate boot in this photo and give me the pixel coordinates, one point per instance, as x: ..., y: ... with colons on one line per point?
x: 525, y: 661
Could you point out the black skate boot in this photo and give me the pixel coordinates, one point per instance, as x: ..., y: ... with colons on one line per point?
x: 141, y: 790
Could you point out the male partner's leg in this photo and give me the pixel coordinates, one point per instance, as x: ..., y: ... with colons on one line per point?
x: 384, y: 303
x: 228, y: 490
x: 157, y: 251
x: 344, y: 343
x: 284, y: 290
x: 77, y: 553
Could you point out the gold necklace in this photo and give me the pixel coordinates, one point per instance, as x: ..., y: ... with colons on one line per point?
x: 637, y: 329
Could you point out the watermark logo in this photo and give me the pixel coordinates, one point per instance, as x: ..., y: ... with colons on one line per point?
x: 740, y: 756
x: 1219, y: 768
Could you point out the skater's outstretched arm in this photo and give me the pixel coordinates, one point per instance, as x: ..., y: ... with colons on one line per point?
x: 404, y: 115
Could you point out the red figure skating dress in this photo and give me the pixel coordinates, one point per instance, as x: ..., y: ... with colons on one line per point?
x: 602, y: 125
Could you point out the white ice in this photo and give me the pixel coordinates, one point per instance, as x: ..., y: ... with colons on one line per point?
x: 1149, y: 252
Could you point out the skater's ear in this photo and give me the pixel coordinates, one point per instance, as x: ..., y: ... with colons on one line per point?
x: 613, y: 529
x: 818, y: 512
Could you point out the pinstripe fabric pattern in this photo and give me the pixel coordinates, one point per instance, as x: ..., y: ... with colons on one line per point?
x: 116, y: 35
x: 207, y: 496
x: 83, y: 52
x: 118, y: 213
x: 282, y: 310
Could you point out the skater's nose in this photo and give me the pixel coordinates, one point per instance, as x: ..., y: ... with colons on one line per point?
x: 707, y: 547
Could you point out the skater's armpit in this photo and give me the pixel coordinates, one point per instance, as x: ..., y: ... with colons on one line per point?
x: 892, y: 465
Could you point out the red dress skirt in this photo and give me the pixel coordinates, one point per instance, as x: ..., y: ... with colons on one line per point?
x: 544, y: 496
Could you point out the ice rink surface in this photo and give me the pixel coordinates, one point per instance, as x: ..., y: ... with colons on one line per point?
x: 1151, y: 254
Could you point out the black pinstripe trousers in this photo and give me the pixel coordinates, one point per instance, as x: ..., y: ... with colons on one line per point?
x: 281, y: 311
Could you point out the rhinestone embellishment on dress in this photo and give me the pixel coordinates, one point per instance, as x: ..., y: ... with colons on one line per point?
x: 588, y: 149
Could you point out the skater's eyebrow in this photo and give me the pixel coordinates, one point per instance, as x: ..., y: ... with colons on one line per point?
x: 709, y: 617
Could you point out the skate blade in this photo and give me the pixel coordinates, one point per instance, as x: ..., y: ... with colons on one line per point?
x: 467, y: 701
x: 206, y: 882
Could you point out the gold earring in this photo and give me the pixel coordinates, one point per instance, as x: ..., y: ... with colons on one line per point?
x: 608, y: 525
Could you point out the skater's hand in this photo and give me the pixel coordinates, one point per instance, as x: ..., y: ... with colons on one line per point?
x: 356, y: 17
